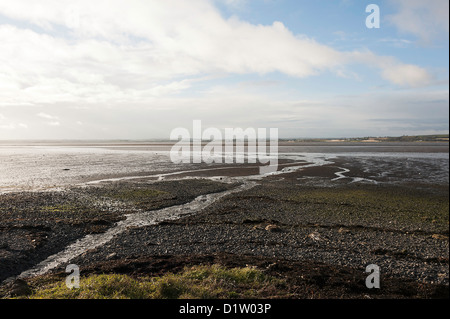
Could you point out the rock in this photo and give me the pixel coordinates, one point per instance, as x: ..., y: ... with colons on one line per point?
x: 439, y: 236
x: 111, y: 256
x: 272, y: 228
x: 272, y: 266
x: 20, y: 288
x: 314, y: 236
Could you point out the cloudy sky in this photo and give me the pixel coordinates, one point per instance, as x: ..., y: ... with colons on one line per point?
x: 136, y: 69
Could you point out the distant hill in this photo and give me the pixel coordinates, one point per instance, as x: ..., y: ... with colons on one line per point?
x: 418, y: 138
x: 405, y: 138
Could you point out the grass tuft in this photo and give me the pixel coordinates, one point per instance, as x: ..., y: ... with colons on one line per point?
x: 197, y: 282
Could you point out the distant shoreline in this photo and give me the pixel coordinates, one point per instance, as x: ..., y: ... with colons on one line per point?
x: 106, y: 143
x: 437, y: 138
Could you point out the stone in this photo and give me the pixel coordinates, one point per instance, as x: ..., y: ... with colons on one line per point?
x: 272, y: 228
x: 314, y: 236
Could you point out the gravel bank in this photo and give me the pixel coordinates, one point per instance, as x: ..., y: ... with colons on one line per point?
x: 266, y: 221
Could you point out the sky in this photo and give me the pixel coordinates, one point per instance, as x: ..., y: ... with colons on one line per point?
x: 137, y: 69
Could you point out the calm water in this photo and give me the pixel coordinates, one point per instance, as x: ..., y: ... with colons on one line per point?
x: 33, y: 166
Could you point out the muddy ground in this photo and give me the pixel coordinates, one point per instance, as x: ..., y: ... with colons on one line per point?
x: 318, y: 234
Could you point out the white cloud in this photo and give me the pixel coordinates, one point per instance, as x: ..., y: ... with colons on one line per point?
x: 139, y: 50
x: 381, y: 113
x: 10, y: 126
x: 234, y: 3
x: 398, y: 73
x: 424, y: 19
x: 7, y: 124
x: 128, y: 61
x: 53, y: 119
x: 407, y: 75
x: 47, y: 116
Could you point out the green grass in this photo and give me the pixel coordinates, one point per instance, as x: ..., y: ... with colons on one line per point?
x: 62, y: 208
x: 140, y: 197
x: 198, y: 282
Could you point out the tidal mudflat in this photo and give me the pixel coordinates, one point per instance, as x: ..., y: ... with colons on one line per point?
x: 315, y: 224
